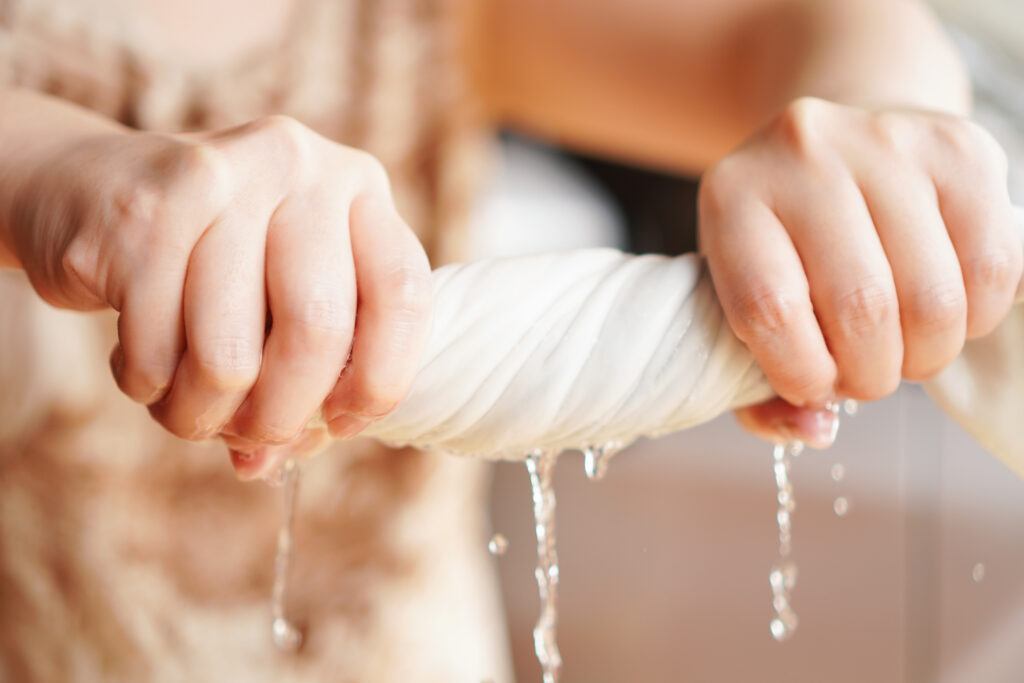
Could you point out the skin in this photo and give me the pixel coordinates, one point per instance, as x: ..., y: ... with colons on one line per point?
x: 856, y: 226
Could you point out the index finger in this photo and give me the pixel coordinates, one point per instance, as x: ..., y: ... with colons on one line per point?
x: 764, y: 292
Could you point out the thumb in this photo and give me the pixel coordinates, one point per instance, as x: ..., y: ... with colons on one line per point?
x: 780, y: 422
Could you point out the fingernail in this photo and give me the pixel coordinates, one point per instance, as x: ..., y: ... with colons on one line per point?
x: 817, y: 429
x: 248, y: 465
x: 347, y: 426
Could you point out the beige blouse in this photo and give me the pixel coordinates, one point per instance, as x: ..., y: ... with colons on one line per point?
x: 127, y: 555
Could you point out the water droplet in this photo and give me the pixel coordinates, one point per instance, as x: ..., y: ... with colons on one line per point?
x: 838, y: 472
x: 283, y: 633
x: 541, y: 467
x: 497, y: 545
x: 279, y: 476
x: 978, y: 573
x: 286, y: 637
x: 595, y: 459
x: 841, y: 506
x: 850, y: 407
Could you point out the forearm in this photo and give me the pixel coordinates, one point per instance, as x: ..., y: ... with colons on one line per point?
x: 678, y: 85
x: 876, y: 54
x: 34, y: 127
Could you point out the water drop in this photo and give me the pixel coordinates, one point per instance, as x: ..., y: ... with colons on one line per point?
x: 497, y: 545
x: 850, y: 407
x: 279, y: 476
x: 978, y: 573
x: 838, y: 472
x: 595, y: 459
x: 541, y: 467
x: 284, y: 634
x: 841, y: 506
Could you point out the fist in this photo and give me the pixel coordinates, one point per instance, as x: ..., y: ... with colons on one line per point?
x: 260, y: 273
x: 851, y: 248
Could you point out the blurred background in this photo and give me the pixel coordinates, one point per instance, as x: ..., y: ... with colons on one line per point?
x: 665, y: 563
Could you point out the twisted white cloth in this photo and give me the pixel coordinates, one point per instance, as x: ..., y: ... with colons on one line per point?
x: 568, y: 349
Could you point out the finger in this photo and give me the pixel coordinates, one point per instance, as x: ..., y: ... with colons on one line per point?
x: 312, y: 297
x: 150, y: 333
x: 851, y: 282
x: 392, y: 321
x: 781, y: 422
x: 254, y: 461
x: 970, y: 178
x: 929, y: 285
x: 224, y: 314
x: 764, y: 293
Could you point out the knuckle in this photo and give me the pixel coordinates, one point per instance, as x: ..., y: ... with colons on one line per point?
x: 138, y: 204
x: 204, y: 166
x: 803, y: 385
x: 937, y: 308
x: 765, y: 311
x: 409, y: 289
x: 853, y: 384
x: 290, y: 137
x: 373, y: 171
x: 145, y: 382
x: 997, y: 270
x: 321, y: 325
x: 259, y: 430
x: 718, y: 186
x: 894, y: 131
x: 865, y: 309
x: 374, y: 399
x: 228, y: 364
x: 798, y: 125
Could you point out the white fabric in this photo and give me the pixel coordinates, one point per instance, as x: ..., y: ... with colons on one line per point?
x: 592, y: 346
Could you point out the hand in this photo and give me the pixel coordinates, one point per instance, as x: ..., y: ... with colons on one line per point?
x: 240, y: 262
x: 851, y: 248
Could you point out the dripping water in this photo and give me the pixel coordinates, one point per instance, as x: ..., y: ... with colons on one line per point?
x: 596, y: 457
x: 285, y: 635
x: 782, y: 577
x: 498, y: 545
x: 541, y: 467
x: 978, y: 573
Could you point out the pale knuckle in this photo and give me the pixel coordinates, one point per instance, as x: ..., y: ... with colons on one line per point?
x: 228, y: 364
x: 289, y: 137
x: 321, y: 325
x: 798, y: 125
x: 372, y: 170
x: 993, y: 271
x: 894, y: 131
x: 718, y: 187
x: 765, y: 311
x: 408, y: 289
x: 865, y: 309
x: 937, y: 308
x: 144, y: 380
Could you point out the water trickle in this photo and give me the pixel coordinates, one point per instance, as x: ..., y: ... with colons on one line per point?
x: 850, y: 407
x: 782, y: 580
x: 497, y: 545
x: 782, y: 454
x: 978, y: 573
x: 595, y: 459
x: 841, y: 506
x: 541, y: 467
x: 285, y: 635
x: 838, y: 472
x: 782, y: 577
